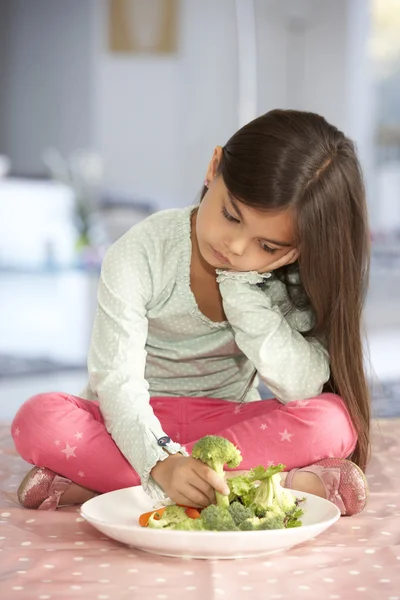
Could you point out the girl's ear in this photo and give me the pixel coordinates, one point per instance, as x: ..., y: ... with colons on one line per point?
x: 213, y: 164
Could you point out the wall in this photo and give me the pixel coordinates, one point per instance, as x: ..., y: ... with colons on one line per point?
x: 160, y: 117
x: 49, y: 93
x: 156, y: 120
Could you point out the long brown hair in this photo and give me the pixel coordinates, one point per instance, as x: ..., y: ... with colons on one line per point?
x: 288, y: 158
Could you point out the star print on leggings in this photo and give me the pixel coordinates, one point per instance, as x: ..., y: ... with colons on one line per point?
x: 69, y: 451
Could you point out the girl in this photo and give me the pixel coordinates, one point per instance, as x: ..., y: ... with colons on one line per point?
x: 266, y: 277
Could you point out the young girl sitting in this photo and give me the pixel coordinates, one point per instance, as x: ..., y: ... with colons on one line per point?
x: 264, y: 279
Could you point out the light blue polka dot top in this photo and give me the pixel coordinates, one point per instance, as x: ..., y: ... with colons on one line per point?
x: 150, y: 339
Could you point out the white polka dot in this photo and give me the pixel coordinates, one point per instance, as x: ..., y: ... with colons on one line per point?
x: 23, y: 559
x: 354, y: 572
x: 246, y: 588
x: 30, y: 521
x: 385, y: 533
x: 78, y: 558
x: 190, y: 588
x: 79, y: 543
x: 328, y: 580
x: 369, y: 551
x: 104, y: 565
x: 298, y: 572
x: 160, y: 580
x: 103, y: 597
x: 75, y: 587
x: 384, y: 581
x: 44, y: 597
x: 26, y: 543
x: 5, y: 514
x: 48, y: 566
x: 188, y: 572
x: 77, y: 573
x: 21, y: 572
x: 79, y: 520
x: 104, y: 581
x: 304, y: 587
x: 17, y: 588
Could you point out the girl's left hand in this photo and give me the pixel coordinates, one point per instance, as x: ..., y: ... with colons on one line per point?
x: 287, y: 259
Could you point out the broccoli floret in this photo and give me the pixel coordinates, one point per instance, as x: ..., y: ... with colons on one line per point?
x: 283, y: 497
x: 264, y: 495
x: 272, y: 520
x: 215, y: 452
x: 172, y: 515
x: 251, y: 524
x: 190, y: 525
x: 217, y: 518
x: 240, y: 513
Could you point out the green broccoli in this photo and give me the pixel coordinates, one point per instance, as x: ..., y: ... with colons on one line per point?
x: 215, y: 452
x: 251, y: 524
x: 172, y: 516
x: 272, y: 520
x: 264, y: 495
x: 239, y: 513
x: 217, y: 518
x: 242, y: 486
x: 190, y: 525
x: 283, y: 497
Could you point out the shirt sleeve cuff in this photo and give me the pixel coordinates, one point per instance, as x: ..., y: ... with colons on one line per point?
x: 252, y: 277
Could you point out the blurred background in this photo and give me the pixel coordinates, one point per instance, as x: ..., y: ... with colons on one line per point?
x: 110, y: 110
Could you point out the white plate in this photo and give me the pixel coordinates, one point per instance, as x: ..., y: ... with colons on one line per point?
x: 116, y: 514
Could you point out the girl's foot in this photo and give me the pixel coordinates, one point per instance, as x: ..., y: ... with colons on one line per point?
x: 337, y: 479
x: 43, y: 489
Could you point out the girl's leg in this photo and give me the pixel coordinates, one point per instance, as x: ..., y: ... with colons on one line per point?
x: 297, y: 434
x: 67, y: 435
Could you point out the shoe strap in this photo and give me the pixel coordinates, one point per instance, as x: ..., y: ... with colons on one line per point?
x: 56, y: 489
x: 330, y: 477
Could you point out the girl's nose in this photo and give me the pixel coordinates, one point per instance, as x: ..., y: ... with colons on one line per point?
x: 237, y: 246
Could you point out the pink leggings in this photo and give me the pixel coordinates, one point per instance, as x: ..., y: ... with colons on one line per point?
x: 67, y: 434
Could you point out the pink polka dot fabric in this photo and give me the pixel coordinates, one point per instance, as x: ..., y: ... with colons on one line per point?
x: 49, y: 556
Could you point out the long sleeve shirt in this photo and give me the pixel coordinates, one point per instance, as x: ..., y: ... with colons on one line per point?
x: 150, y: 339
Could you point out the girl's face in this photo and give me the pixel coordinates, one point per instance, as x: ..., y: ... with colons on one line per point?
x: 232, y: 236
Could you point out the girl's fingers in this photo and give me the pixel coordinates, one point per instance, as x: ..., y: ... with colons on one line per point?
x: 210, y: 476
x: 204, y: 487
x: 186, y: 501
x: 196, y: 497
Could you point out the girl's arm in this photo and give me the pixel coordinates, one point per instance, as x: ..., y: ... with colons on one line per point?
x: 117, y: 359
x: 292, y: 366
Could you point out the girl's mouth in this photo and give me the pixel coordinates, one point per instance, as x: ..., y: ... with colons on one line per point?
x: 220, y: 257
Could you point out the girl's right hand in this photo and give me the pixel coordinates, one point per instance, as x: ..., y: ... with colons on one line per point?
x: 188, y: 481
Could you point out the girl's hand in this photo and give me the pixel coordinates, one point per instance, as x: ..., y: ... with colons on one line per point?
x: 188, y: 481
x: 287, y: 259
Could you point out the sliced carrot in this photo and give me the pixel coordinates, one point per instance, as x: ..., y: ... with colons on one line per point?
x: 144, y: 518
x: 192, y: 513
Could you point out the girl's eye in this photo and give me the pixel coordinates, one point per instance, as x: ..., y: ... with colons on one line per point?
x: 268, y: 248
x: 228, y: 216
